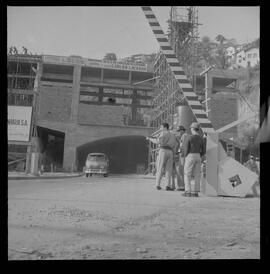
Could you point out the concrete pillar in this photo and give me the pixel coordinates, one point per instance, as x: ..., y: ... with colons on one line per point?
x: 34, y: 163
x: 28, y: 159
x: 36, y: 144
x: 102, y: 76
x: 75, y: 94
x: 130, y: 77
x: 70, y: 159
x: 134, y: 105
x: 37, y: 88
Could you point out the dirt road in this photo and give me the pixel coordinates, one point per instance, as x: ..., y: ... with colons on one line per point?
x: 125, y: 217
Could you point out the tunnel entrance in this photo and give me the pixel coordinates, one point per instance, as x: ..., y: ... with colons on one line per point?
x: 51, y: 145
x: 127, y: 154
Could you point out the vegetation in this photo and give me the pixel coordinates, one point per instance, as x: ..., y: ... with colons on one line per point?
x: 214, y: 52
x: 110, y: 57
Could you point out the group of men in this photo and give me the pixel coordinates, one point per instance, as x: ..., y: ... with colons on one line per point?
x: 180, y: 154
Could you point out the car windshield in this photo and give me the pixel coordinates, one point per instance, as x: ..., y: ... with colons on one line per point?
x: 96, y: 157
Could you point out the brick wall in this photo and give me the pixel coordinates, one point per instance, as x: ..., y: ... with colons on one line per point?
x: 223, y: 111
x: 55, y: 103
x: 249, y: 87
x: 98, y: 114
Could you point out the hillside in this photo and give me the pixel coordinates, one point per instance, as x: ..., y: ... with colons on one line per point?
x: 249, y: 91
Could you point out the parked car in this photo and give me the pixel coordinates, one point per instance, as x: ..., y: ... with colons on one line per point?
x: 96, y: 163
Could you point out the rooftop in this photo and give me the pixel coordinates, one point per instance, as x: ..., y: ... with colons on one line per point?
x: 78, y: 60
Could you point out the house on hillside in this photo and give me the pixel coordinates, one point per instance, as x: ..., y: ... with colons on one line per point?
x: 213, y: 49
x: 252, y: 56
x: 230, y: 51
x: 247, y: 55
x: 240, y: 59
x: 140, y: 58
x: 230, y: 56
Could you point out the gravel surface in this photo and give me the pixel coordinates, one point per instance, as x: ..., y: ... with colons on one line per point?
x: 125, y: 217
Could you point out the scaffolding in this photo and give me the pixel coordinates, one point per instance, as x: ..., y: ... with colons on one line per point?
x: 21, y: 79
x: 183, y: 37
x: 22, y: 90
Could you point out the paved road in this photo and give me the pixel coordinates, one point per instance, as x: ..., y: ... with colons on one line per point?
x: 125, y: 217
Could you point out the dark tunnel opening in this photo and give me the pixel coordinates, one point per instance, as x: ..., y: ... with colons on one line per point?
x: 127, y: 154
x: 51, y: 145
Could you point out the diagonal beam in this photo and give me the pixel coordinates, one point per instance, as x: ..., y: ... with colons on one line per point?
x: 178, y: 72
x: 235, y: 123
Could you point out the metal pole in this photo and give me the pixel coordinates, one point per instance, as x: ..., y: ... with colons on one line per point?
x: 205, y: 72
x: 206, y: 92
x: 146, y: 80
x: 241, y: 155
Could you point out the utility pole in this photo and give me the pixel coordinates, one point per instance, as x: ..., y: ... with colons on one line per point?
x: 145, y: 80
x: 205, y: 72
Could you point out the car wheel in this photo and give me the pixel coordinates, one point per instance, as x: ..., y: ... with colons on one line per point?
x: 86, y: 174
x: 106, y: 175
x: 90, y: 174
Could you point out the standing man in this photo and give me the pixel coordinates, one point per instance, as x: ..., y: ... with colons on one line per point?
x: 181, y: 164
x: 167, y: 145
x: 178, y: 165
x: 175, y: 170
x: 194, y: 150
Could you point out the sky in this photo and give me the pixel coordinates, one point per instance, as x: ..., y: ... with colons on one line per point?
x: 91, y: 32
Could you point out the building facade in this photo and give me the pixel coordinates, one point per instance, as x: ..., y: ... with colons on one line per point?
x: 252, y: 57
x: 83, y: 105
x: 81, y: 101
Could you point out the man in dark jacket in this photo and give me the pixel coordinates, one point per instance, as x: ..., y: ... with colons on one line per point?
x: 194, y: 150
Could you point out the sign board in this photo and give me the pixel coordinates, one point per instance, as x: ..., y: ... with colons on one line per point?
x: 19, y: 123
x: 235, y: 179
x: 63, y: 60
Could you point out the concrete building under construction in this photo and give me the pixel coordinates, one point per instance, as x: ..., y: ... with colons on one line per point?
x: 84, y: 105
x: 81, y: 106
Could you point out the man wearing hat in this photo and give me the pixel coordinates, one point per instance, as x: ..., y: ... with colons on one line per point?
x: 167, y: 146
x: 194, y: 150
x: 180, y: 159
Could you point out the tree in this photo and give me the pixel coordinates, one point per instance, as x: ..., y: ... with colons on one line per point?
x: 24, y: 50
x: 110, y: 57
x: 206, y: 40
x: 10, y: 50
x: 231, y: 42
x: 222, y: 58
x: 215, y: 53
x: 205, y: 50
x: 220, y: 38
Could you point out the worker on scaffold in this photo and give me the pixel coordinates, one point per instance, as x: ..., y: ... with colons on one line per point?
x: 167, y: 146
x: 194, y: 150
